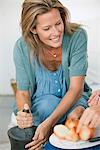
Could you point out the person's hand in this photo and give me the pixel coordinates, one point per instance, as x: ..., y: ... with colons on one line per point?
x: 76, y: 113
x: 90, y: 117
x: 24, y: 120
x: 94, y: 98
x: 42, y: 133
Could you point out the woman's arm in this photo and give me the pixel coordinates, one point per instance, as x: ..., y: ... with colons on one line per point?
x: 24, y: 119
x: 72, y: 95
x: 22, y: 97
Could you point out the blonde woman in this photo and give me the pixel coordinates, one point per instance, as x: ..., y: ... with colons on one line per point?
x: 51, y: 65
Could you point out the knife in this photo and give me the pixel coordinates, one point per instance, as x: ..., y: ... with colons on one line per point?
x: 95, y: 139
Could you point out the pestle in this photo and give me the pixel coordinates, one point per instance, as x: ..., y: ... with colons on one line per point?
x: 20, y: 137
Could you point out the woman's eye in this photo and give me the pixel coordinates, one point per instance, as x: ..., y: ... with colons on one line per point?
x: 58, y: 23
x: 46, y: 29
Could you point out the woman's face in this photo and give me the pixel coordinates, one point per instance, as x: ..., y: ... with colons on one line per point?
x: 50, y: 28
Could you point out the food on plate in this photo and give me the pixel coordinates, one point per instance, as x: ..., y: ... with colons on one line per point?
x: 71, y: 123
x: 74, y: 134
x: 68, y: 131
x: 86, y: 133
x: 62, y: 132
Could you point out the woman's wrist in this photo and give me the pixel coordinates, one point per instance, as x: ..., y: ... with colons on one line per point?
x: 77, y: 112
x: 53, y: 120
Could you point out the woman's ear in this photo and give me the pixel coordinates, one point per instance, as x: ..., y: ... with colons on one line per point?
x: 33, y: 30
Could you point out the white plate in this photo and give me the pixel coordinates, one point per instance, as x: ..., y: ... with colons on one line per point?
x: 64, y: 144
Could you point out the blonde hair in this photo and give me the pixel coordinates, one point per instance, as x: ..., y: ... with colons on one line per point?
x: 30, y: 10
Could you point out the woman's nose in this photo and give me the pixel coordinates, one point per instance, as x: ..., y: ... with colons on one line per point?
x: 55, y: 31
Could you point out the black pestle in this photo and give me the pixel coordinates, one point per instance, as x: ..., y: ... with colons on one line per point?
x: 20, y: 137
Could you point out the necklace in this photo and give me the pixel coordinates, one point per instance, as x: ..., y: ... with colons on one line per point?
x: 54, y: 55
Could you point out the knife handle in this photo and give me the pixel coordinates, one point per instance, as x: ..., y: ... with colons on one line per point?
x: 95, y: 139
x: 26, y: 110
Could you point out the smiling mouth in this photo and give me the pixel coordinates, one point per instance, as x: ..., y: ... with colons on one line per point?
x: 55, y: 39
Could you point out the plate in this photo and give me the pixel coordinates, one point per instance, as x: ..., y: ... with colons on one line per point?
x: 64, y: 144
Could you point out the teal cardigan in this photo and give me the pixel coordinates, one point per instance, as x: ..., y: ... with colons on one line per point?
x: 74, y: 61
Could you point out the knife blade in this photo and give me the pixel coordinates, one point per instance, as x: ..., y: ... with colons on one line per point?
x: 95, y: 139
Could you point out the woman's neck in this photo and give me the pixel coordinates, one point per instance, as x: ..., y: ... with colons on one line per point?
x: 49, y: 60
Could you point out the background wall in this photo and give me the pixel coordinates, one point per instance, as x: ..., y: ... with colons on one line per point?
x: 82, y: 11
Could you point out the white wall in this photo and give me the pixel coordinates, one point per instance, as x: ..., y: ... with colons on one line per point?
x: 82, y: 11
x: 9, y: 32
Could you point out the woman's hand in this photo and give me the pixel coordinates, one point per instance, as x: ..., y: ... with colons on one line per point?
x: 24, y: 120
x: 90, y: 117
x: 94, y: 98
x: 42, y: 133
x: 76, y: 113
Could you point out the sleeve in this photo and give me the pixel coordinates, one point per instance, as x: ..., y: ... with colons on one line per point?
x: 78, y: 54
x: 21, y: 74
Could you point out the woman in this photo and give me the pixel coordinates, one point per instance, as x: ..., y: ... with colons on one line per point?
x: 91, y: 116
x: 51, y: 65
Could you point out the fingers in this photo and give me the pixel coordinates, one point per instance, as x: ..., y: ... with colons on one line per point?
x: 40, y: 147
x: 82, y: 119
x: 92, y: 123
x: 24, y: 124
x: 38, y: 140
x: 89, y: 118
x: 36, y: 144
x: 95, y: 121
x: 94, y: 98
x: 76, y: 113
x: 94, y: 101
x: 36, y: 135
x: 73, y: 115
x: 24, y: 119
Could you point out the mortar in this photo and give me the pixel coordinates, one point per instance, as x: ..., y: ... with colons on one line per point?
x: 20, y: 137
